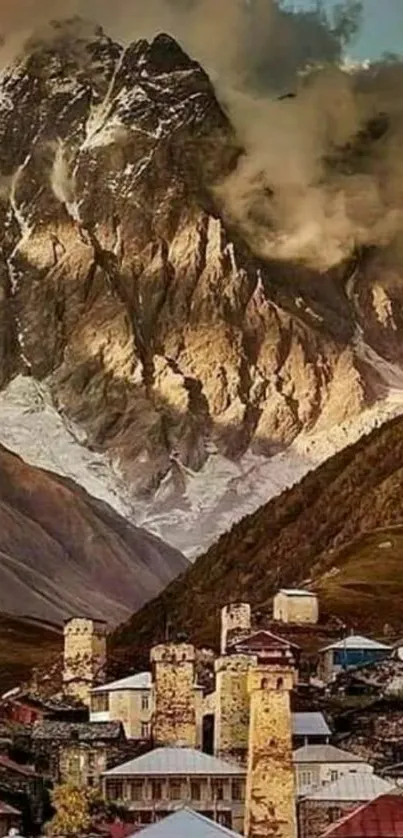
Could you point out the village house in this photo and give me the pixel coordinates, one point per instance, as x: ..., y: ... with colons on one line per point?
x: 318, y: 765
x: 380, y: 678
x: 186, y: 823
x: 321, y: 808
x: 380, y: 818
x: 165, y: 779
x: 22, y: 788
x: 291, y: 605
x: 309, y: 728
x: 23, y: 708
x: 10, y: 818
x: 349, y: 652
x: 373, y: 731
x: 129, y: 701
x: 77, y: 753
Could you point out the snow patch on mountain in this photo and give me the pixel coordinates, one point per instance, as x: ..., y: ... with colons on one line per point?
x: 215, y: 497
x: 31, y: 427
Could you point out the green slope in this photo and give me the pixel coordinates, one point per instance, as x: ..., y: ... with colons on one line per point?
x: 356, y: 491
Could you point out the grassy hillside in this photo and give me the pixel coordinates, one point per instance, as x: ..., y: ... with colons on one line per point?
x: 291, y: 539
x: 24, y: 643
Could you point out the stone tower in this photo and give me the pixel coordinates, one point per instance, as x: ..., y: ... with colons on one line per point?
x: 231, y: 723
x: 174, y: 718
x: 235, y: 622
x: 270, y: 791
x: 84, y: 661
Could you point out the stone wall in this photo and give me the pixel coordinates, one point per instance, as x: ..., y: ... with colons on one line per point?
x: 270, y: 810
x: 315, y: 816
x: 84, y: 656
x: 295, y: 609
x: 231, y: 724
x: 235, y: 621
x: 174, y: 716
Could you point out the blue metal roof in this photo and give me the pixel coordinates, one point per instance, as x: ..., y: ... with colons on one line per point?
x: 184, y: 823
x: 310, y: 724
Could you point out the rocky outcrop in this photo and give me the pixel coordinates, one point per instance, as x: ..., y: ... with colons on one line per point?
x: 157, y: 330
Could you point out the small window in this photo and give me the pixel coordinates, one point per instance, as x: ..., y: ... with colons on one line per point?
x: 175, y: 789
x: 238, y: 790
x: 306, y: 778
x: 156, y: 789
x: 280, y: 683
x: 334, y: 814
x: 100, y: 703
x: 145, y: 730
x: 91, y: 760
x: 195, y: 790
x: 334, y: 775
x: 218, y: 790
x: 114, y: 789
x: 145, y: 701
x: 136, y: 790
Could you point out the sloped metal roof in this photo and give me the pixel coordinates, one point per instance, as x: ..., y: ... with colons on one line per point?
x: 178, y: 761
x: 356, y: 641
x: 353, y: 787
x: 310, y: 724
x: 137, y: 681
x: 381, y: 818
x: 324, y: 753
x: 184, y: 823
x: 6, y: 809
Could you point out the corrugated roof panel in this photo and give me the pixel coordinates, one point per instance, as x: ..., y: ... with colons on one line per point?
x: 356, y: 641
x: 185, y: 823
x: 324, y: 753
x: 353, y: 787
x: 381, y: 818
x: 310, y: 724
x: 179, y: 761
x: 137, y: 681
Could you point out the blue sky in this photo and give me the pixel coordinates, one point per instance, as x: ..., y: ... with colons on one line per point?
x: 382, y: 28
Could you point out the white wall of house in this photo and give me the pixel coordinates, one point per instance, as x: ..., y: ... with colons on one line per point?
x: 313, y: 775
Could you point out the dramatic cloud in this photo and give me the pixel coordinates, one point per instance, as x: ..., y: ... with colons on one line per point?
x: 295, y: 195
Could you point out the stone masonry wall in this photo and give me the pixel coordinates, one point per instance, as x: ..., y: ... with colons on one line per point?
x: 84, y: 656
x: 231, y: 727
x: 270, y: 794
x: 174, y: 716
x: 314, y: 817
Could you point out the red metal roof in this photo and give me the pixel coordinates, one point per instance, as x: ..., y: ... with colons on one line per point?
x: 263, y: 639
x: 381, y: 818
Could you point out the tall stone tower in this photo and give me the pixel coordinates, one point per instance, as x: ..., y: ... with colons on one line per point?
x: 235, y: 622
x: 231, y: 723
x: 84, y: 661
x: 174, y: 718
x: 270, y: 791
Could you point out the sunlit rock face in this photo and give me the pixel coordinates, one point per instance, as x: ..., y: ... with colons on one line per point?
x: 209, y: 378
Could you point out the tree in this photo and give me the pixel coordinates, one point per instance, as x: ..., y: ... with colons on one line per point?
x: 73, y: 805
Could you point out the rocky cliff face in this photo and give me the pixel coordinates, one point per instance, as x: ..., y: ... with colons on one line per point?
x: 157, y: 332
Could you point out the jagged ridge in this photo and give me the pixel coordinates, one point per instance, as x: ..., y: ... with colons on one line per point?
x: 154, y: 326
